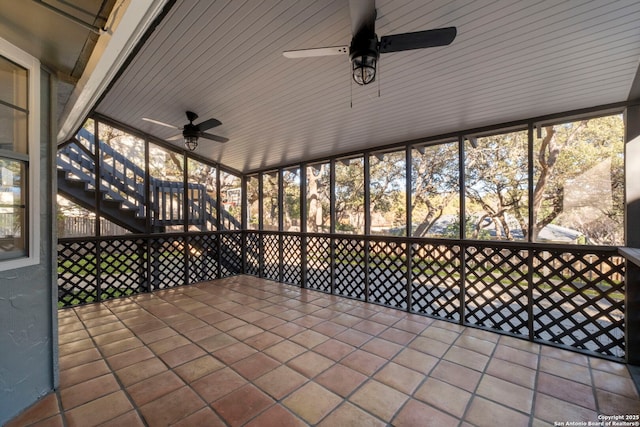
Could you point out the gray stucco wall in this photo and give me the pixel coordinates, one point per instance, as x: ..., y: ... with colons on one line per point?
x: 28, y: 318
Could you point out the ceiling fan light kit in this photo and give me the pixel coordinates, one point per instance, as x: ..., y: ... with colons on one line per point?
x: 363, y: 54
x: 365, y: 49
x: 191, y: 132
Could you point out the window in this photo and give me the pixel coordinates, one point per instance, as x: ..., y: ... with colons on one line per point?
x: 349, y: 194
x: 387, y: 184
x: 270, y: 201
x: 19, y: 156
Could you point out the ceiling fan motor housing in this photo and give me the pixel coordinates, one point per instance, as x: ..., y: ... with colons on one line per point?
x: 364, y: 53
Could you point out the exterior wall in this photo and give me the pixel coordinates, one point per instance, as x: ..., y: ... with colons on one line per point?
x: 28, y: 316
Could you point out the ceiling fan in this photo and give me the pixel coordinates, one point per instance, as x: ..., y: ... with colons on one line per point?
x: 365, y: 49
x: 191, y: 132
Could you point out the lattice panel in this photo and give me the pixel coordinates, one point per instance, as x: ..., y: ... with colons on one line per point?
x: 271, y: 267
x: 252, y: 253
x: 436, y: 280
x: 291, y: 261
x: 578, y: 300
x: 319, y: 263
x: 203, y: 257
x: 388, y: 273
x: 167, y: 262
x: 231, y: 254
x: 123, y: 268
x: 77, y: 281
x: 350, y: 268
x: 496, y: 288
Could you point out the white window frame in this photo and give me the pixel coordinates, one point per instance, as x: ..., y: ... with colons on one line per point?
x: 32, y: 65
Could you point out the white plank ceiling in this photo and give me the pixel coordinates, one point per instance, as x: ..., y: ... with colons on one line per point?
x: 512, y: 59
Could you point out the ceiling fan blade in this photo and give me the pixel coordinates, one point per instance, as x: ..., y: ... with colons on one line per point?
x: 213, y: 137
x: 320, y: 51
x: 363, y: 17
x: 208, y: 124
x: 417, y: 40
x: 175, y: 137
x: 160, y: 123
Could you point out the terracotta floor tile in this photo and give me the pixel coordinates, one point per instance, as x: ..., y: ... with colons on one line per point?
x: 514, y: 355
x: 548, y: 408
x: 203, y: 417
x: 482, y: 334
x: 188, y: 325
x: 182, y: 355
x: 429, y: 346
x: 397, y: 336
x: 413, y: 326
x: 120, y: 346
x: 520, y: 344
x: 149, y: 326
x: 312, y: 402
x: 447, y: 334
x: 468, y: 358
x: 456, y: 375
x: 129, y: 419
x: 350, y: 415
x: 168, y: 344
x: 476, y: 344
x: 416, y: 413
x: 483, y: 412
x: 564, y: 355
x: 152, y: 388
x: 567, y: 390
x: 444, y: 396
x: 245, y: 331
x: 334, y: 349
x: 198, y: 334
x: 75, y: 347
x: 416, y: 360
x: 363, y: 362
x: 325, y: 313
x: 308, y: 321
x: 340, y: 379
x: 242, y: 405
x: 289, y: 315
x: 329, y: 328
x: 72, y: 336
x: 615, y: 384
x: 269, y: 322
x: 309, y: 338
x: 263, y: 340
x: 43, y: 409
x: 215, y: 317
x: 506, y: 393
x: 381, y: 347
x: 512, y: 372
x: 129, y: 357
x: 76, y: 375
x: 288, y: 329
x: 379, y: 399
x: 54, y: 421
x: 113, y: 336
x: 564, y: 369
x: 369, y: 327
x: 276, y: 416
x: 611, y: 403
x: 254, y: 365
x: 99, y: 410
x: 234, y: 352
x: 217, y: 342
x: 172, y: 407
x: 140, y: 371
x: 346, y: 320
x: 218, y: 384
x: 310, y: 364
x: 353, y: 337
x: 253, y: 316
x: 280, y: 382
x: 397, y: 376
x: 79, y: 358
x: 88, y: 390
x: 285, y: 350
x: 156, y: 335
x: 228, y: 324
x: 609, y: 367
x: 197, y: 368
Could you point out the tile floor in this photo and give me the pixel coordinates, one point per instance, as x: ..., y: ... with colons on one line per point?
x: 246, y: 351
